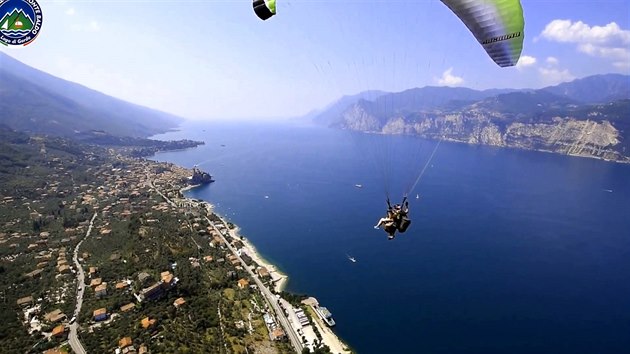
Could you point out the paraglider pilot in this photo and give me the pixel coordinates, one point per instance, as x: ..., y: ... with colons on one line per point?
x: 396, y: 219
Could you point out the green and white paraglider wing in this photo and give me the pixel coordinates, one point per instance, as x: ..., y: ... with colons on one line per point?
x: 264, y: 9
x: 497, y: 24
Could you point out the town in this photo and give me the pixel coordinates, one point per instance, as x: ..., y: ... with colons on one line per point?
x: 107, y: 255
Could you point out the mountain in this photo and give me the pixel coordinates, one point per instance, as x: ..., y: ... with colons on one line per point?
x: 594, y: 89
x: 36, y: 102
x: 564, y: 118
x: 330, y: 114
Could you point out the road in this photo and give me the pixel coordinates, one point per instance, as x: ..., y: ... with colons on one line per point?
x: 73, y: 339
x: 271, y: 298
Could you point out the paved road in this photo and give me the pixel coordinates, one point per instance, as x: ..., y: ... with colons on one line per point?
x: 271, y: 298
x: 73, y: 339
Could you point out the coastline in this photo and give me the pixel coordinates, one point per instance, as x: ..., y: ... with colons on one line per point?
x: 280, y: 280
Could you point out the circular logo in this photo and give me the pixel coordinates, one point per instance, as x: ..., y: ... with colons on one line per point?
x: 20, y: 21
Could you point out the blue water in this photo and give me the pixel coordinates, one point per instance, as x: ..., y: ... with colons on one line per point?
x: 509, y: 251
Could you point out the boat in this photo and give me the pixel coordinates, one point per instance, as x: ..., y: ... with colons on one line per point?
x: 358, y: 185
x: 608, y: 190
x: 417, y: 196
x: 352, y: 259
x: 325, y: 315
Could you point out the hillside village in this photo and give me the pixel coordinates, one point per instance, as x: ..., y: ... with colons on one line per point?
x: 106, y: 255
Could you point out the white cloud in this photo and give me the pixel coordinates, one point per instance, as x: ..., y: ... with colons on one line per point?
x: 580, y: 32
x: 70, y: 11
x: 448, y: 79
x: 552, y: 60
x: 525, y: 61
x: 553, y: 76
x: 610, y: 41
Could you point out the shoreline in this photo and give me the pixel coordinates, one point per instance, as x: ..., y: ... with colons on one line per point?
x: 279, y: 279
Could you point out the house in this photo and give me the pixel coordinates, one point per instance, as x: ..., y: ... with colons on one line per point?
x: 243, y: 283
x: 93, y: 270
x: 277, y: 334
x: 147, y: 322
x: 207, y: 259
x: 128, y: 307
x: 152, y: 292
x: 101, y: 290
x: 263, y: 272
x: 125, y: 342
x: 55, y: 316
x: 59, y: 331
x: 64, y: 269
x: 121, y: 285
x: 167, y: 278
x: 179, y: 302
x: 35, y: 274
x: 56, y: 351
x: 100, y: 314
x: 96, y: 282
x: 25, y: 301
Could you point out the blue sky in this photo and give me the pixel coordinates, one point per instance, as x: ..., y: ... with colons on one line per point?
x: 216, y: 59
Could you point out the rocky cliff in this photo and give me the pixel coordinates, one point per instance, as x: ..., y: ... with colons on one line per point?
x: 527, y: 119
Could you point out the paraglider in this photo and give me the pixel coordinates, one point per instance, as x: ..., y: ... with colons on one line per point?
x: 265, y: 9
x: 396, y: 220
x: 496, y: 24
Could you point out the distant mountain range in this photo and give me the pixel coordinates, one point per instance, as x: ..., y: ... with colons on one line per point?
x: 36, y: 102
x: 587, y: 117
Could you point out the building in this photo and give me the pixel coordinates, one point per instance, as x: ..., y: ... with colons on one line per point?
x: 147, y: 322
x: 125, y: 342
x: 263, y: 272
x: 59, y: 331
x: 277, y: 334
x: 25, y: 301
x: 100, y: 314
x: 96, y: 282
x: 101, y: 290
x: 152, y: 292
x: 55, y: 316
x: 128, y: 307
x: 179, y: 302
x: 243, y: 283
x: 56, y: 351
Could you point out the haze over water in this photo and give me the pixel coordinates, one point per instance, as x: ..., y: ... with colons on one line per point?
x: 509, y: 251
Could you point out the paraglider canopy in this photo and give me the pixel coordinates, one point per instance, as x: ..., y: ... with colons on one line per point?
x: 498, y: 25
x: 265, y: 8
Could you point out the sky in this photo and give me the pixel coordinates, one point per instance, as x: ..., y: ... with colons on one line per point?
x: 215, y: 59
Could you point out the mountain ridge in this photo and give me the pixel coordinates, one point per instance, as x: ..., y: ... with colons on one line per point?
x: 563, y: 118
x: 36, y: 102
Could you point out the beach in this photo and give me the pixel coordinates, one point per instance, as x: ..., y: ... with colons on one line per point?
x: 279, y: 279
